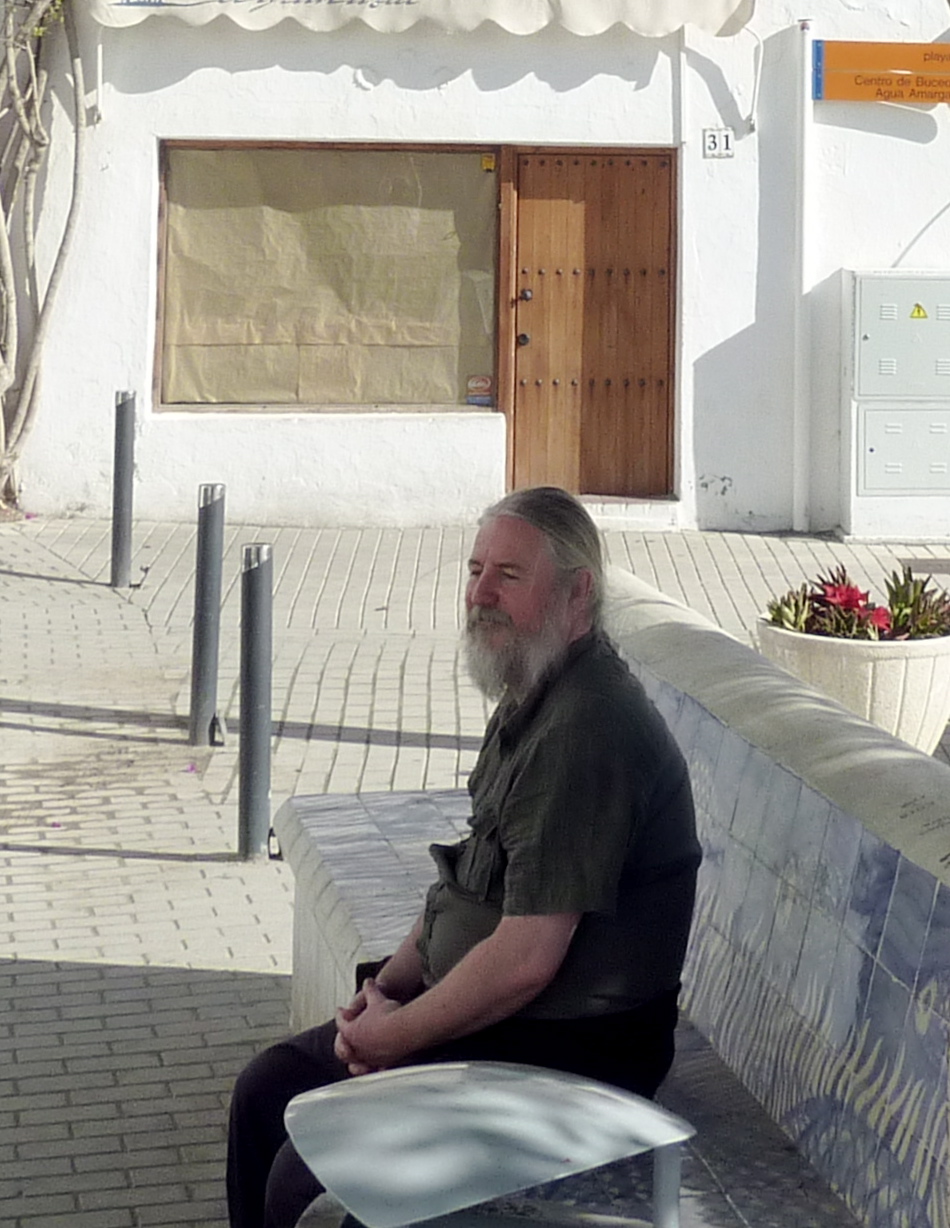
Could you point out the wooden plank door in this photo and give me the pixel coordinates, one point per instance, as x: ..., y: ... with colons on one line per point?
x: 593, y: 320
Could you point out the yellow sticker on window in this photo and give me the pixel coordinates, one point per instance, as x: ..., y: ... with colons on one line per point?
x: 488, y: 162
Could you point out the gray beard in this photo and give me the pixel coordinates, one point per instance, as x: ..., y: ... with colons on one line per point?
x: 518, y: 666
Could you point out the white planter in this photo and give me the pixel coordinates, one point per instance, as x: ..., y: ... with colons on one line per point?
x: 901, y: 685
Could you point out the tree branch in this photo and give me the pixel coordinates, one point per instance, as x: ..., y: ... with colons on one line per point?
x: 27, y: 146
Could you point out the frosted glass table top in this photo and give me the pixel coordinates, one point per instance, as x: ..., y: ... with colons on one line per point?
x: 424, y: 1141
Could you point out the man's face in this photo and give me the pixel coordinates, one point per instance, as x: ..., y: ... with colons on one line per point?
x: 518, y: 618
x: 511, y: 571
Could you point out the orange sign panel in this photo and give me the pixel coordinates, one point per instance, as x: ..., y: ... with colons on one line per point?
x: 912, y: 73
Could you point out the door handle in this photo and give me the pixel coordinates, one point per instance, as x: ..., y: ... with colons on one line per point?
x: 526, y: 296
x: 524, y: 338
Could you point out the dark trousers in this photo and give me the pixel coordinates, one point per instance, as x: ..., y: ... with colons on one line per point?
x: 269, y: 1186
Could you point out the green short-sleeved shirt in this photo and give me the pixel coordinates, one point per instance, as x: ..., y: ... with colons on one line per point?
x: 581, y: 803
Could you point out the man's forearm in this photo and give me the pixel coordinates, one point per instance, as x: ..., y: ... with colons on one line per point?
x: 494, y: 980
x: 480, y: 990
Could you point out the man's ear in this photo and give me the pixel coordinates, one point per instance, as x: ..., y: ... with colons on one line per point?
x: 582, y: 588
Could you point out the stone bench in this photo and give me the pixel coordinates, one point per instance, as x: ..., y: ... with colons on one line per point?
x: 818, y: 964
x: 361, y: 870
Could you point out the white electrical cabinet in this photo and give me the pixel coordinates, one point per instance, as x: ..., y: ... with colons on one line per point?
x: 905, y: 451
x: 902, y: 338
x: 896, y: 454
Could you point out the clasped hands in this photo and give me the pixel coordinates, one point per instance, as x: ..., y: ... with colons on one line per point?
x: 364, y: 1041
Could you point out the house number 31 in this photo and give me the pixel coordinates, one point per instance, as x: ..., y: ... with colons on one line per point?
x: 718, y: 143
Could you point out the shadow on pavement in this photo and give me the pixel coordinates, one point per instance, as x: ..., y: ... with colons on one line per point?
x: 116, y: 1081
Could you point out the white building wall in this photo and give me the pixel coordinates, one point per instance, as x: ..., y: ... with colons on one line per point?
x: 878, y: 197
x: 880, y: 201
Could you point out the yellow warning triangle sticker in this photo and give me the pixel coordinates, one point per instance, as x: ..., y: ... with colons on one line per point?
x: 918, y: 313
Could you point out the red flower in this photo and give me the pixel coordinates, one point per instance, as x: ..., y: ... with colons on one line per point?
x: 879, y: 617
x: 847, y: 596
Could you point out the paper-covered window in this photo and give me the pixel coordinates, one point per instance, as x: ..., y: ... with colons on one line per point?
x: 329, y: 277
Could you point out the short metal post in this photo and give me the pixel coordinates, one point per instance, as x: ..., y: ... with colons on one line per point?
x: 667, y: 1166
x: 122, y: 469
x: 255, y: 727
x: 204, y: 722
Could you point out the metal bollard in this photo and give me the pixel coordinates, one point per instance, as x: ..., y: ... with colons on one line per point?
x: 255, y: 728
x: 122, y: 469
x: 205, y: 727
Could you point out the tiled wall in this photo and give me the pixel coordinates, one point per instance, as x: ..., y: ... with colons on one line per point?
x: 820, y: 960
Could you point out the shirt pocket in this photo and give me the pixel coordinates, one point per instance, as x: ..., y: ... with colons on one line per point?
x: 480, y: 866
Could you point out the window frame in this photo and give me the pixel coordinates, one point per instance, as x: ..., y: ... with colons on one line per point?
x: 503, y: 242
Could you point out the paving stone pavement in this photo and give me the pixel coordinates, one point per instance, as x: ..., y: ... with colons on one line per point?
x: 143, y: 962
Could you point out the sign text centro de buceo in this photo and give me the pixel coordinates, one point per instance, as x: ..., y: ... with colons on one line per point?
x: 881, y: 72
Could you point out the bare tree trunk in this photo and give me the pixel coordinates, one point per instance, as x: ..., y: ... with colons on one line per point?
x: 23, y: 84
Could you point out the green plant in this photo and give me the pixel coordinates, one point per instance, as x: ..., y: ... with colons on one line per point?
x: 834, y: 606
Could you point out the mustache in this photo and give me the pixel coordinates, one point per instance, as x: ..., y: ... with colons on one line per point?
x: 483, y: 616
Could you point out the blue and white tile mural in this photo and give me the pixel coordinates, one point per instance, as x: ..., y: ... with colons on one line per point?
x: 820, y: 969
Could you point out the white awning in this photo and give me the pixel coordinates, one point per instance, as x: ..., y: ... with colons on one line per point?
x: 653, y: 18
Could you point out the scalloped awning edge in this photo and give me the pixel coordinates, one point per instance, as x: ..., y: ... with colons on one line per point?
x: 651, y: 18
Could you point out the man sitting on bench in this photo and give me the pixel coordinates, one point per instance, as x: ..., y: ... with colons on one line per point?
x: 556, y: 931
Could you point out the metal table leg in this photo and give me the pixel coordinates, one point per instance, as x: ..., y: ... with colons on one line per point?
x: 667, y: 1166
